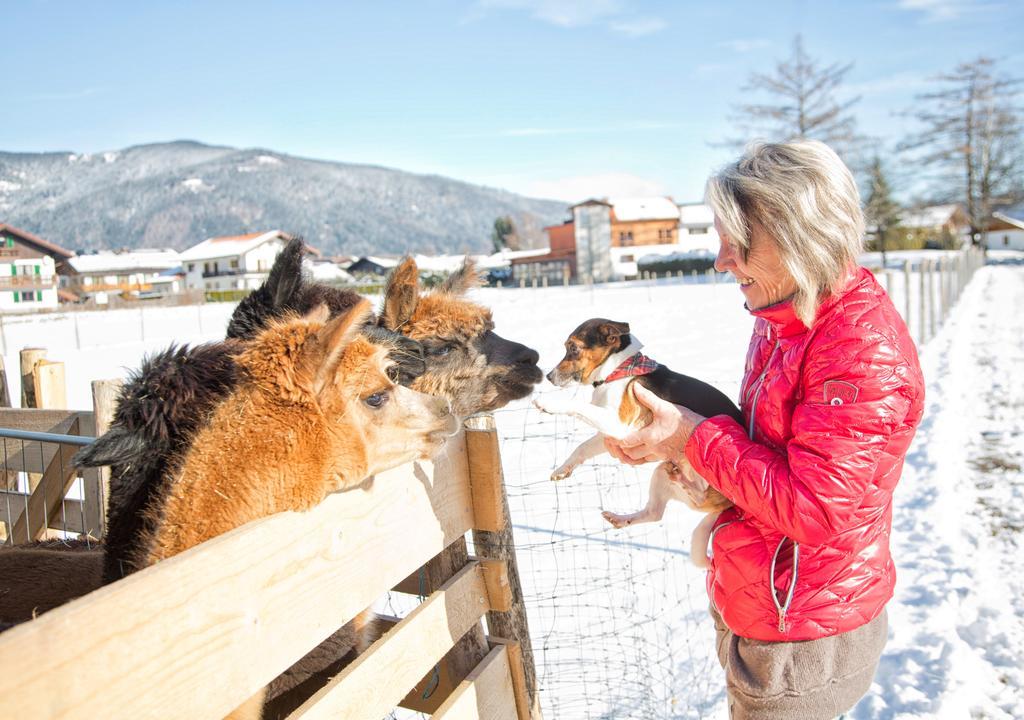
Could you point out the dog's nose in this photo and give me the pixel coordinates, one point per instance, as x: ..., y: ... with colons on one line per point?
x: 551, y: 377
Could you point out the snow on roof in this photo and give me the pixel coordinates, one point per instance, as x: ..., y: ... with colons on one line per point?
x: 1012, y: 216
x: 143, y: 259
x: 505, y: 257
x: 632, y: 209
x: 327, y: 271
x: 696, y: 214
x: 440, y: 263
x: 219, y: 247
x: 384, y: 262
x: 929, y: 217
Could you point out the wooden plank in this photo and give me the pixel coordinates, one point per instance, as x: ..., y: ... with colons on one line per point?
x: 499, y: 590
x: 44, y: 503
x: 485, y: 694
x: 404, y: 654
x: 195, y: 630
x: 526, y: 708
x: 485, y: 478
x: 482, y: 441
x: 5, y: 392
x: 50, y: 387
x: 28, y: 359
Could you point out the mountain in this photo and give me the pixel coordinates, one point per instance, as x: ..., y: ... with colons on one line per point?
x: 180, y: 193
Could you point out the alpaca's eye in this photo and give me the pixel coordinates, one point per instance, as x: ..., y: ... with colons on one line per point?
x: 441, y: 350
x: 376, y: 400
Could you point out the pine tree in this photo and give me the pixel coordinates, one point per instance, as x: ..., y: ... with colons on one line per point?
x: 881, y: 212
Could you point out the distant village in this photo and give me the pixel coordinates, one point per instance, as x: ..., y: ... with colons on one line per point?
x: 601, y: 240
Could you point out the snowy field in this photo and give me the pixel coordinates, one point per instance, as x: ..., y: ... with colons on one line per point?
x: 619, y: 618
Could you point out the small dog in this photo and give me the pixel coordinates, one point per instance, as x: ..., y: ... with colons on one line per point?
x: 602, y: 353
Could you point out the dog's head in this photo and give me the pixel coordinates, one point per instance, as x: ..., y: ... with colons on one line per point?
x: 586, y: 348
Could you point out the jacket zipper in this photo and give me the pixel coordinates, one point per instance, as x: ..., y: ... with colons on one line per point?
x: 781, y: 608
x: 757, y: 392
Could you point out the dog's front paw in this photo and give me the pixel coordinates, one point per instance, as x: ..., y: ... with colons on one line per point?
x: 617, y: 521
x: 563, y: 472
x: 552, y: 405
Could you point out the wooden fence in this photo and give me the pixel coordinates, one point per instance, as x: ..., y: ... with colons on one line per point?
x: 196, y: 635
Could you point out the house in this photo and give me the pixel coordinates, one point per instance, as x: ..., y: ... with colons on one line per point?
x: 237, y: 262
x: 936, y: 226
x: 553, y: 264
x: 372, y: 265
x: 612, y: 234
x: 28, y: 270
x: 135, y: 273
x: 697, y: 228
x: 1005, y: 230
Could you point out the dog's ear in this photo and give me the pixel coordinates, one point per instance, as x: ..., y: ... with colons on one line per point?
x: 333, y: 338
x: 462, y: 280
x: 401, y: 295
x: 611, y: 331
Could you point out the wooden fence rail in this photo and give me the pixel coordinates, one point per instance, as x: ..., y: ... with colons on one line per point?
x: 196, y: 635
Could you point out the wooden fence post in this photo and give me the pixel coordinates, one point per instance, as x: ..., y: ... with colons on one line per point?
x: 50, y: 388
x: 104, y: 402
x: 491, y: 507
x: 931, y: 299
x: 29, y: 358
x: 5, y: 392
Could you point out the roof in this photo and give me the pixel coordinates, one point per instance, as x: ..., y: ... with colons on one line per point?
x: 155, y: 260
x: 505, y: 257
x: 633, y: 209
x: 929, y: 217
x: 1011, y: 216
x: 229, y: 246
x: 48, y: 247
x: 696, y: 214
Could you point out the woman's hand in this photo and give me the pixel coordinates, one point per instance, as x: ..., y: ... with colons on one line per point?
x: 663, y: 439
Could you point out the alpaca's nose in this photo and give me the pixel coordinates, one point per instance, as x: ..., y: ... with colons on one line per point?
x: 528, y: 356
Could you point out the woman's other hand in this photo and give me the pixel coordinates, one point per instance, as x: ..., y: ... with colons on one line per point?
x: 663, y: 439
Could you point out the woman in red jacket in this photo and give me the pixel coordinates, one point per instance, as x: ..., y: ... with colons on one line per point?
x: 799, y: 569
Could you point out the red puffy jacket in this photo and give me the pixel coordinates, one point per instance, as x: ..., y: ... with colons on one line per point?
x: 831, y: 411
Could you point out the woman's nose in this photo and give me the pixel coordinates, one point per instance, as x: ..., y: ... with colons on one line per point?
x: 724, y: 260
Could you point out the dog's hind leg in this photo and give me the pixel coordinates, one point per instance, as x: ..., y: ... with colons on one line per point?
x: 591, y: 448
x: 700, y: 538
x: 661, y: 492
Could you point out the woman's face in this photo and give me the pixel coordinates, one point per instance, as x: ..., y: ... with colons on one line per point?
x: 763, y: 278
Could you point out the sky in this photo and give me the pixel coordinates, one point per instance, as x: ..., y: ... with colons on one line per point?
x: 563, y: 99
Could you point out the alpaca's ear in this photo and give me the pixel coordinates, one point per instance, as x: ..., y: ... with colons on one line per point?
x: 401, y: 295
x: 114, y: 447
x: 462, y: 280
x: 285, y: 276
x: 333, y: 338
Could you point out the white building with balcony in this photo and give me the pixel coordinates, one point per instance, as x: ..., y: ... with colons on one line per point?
x: 28, y: 271
x: 138, y: 273
x: 238, y: 262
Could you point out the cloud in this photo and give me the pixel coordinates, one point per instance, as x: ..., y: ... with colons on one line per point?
x: 578, y: 13
x: 638, y: 27
x: 581, y: 187
x: 745, y: 46
x: 944, y: 10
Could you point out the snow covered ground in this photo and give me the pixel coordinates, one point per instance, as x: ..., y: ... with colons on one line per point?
x: 619, y: 618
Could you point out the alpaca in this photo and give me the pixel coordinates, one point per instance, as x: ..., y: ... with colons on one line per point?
x: 163, y: 406
x: 315, y: 409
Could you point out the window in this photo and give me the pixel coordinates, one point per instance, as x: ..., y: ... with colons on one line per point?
x: 234, y: 263
x: 27, y: 296
x: 626, y: 258
x: 1006, y: 239
x: 191, y: 267
x: 697, y: 231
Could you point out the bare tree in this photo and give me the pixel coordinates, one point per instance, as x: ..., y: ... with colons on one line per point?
x: 803, y: 103
x: 971, y: 137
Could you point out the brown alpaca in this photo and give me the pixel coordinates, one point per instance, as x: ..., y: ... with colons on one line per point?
x: 314, y: 412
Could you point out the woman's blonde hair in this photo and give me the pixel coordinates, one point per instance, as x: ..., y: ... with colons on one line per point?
x: 805, y: 198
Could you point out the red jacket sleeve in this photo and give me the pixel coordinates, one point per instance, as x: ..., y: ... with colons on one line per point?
x: 811, y: 489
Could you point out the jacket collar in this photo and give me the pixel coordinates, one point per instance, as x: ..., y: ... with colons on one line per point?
x: 782, y: 315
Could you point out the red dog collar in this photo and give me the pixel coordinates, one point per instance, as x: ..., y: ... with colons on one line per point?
x: 638, y: 364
